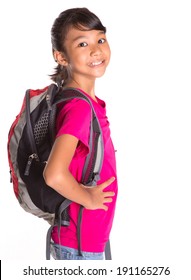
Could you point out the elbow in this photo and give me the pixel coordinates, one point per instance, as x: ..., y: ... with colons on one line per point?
x: 48, y: 178
x: 52, y: 179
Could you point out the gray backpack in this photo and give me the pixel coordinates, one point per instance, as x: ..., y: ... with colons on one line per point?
x: 30, y: 140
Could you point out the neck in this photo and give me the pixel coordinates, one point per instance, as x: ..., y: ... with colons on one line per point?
x: 86, y: 87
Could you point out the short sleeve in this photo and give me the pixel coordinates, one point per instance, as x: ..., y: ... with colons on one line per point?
x: 74, y: 118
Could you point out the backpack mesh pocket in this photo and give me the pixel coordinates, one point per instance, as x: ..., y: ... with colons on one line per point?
x: 41, y: 128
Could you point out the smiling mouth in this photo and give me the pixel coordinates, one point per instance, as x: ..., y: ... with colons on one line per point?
x: 96, y: 63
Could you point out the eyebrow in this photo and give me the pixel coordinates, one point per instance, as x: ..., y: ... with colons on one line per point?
x: 85, y: 37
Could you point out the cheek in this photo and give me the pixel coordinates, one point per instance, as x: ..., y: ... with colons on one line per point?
x: 108, y: 56
x: 77, y: 59
x: 107, y: 51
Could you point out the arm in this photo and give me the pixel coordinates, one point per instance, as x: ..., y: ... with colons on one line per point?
x: 58, y: 176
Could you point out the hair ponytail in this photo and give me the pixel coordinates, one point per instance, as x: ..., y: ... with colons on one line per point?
x: 60, y: 76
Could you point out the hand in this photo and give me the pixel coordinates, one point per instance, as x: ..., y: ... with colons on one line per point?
x: 98, y: 197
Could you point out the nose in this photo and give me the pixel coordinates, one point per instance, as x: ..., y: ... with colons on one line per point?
x: 95, y: 50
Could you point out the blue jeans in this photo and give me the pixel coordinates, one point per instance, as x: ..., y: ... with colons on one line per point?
x: 59, y: 252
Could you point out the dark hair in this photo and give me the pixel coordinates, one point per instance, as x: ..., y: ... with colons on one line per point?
x: 80, y: 18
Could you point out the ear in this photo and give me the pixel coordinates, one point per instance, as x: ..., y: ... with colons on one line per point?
x: 60, y: 58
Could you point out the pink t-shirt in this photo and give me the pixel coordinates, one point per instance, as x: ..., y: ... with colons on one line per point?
x: 74, y: 118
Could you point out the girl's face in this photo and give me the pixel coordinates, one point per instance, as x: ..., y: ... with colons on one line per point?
x: 88, y: 53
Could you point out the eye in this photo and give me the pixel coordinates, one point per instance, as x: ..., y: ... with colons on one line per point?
x: 101, y: 41
x: 83, y: 44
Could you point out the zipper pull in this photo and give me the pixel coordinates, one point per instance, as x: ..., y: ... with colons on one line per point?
x: 29, y: 162
x: 11, y: 179
x: 48, y: 102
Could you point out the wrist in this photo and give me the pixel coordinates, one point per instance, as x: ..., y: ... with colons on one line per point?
x: 88, y: 201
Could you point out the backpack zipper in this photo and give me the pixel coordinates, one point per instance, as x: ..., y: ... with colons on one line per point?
x: 29, y: 162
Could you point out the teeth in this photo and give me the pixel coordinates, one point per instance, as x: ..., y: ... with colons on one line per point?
x: 96, y: 63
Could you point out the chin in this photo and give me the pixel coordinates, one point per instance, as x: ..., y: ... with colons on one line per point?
x: 99, y: 74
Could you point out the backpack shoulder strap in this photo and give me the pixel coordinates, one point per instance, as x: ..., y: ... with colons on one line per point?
x: 93, y: 162
x: 94, y: 159
x: 108, y: 251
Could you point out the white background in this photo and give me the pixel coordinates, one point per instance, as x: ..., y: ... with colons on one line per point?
x: 147, y: 89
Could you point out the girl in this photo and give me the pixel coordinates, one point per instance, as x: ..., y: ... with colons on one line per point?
x: 82, y: 52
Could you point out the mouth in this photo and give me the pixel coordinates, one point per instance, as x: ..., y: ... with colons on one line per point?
x: 96, y: 63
